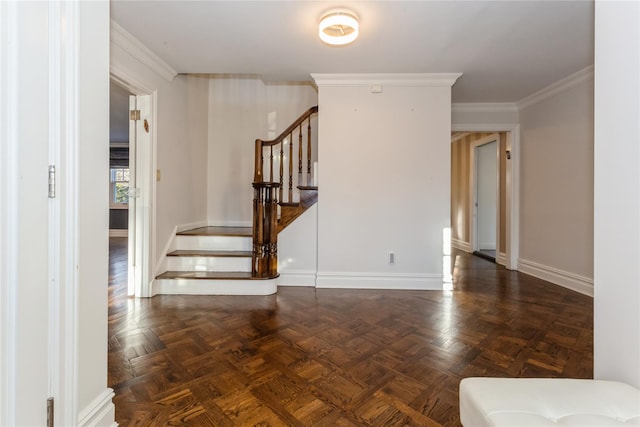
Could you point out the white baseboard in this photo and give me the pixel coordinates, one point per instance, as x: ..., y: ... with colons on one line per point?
x: 462, y: 245
x: 101, y: 412
x: 297, y: 278
x: 230, y: 223
x: 118, y: 233
x: 572, y: 281
x: 191, y: 226
x: 501, y: 258
x: 379, y: 281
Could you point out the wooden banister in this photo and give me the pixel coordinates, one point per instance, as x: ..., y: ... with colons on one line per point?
x: 268, y: 193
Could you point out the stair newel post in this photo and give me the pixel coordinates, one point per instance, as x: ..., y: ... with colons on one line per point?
x: 271, y: 235
x: 300, y: 155
x: 257, y: 177
x: 264, y: 259
x: 258, y: 240
x: 290, y: 167
x: 308, y: 152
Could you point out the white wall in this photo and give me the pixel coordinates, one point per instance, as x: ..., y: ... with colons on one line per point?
x: 241, y: 110
x: 298, y: 250
x: 384, y: 173
x: 181, y: 150
x: 617, y: 192
x: 556, y: 183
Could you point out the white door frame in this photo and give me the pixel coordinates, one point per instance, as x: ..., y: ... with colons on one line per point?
x: 512, y: 191
x: 145, y: 214
x: 473, y: 190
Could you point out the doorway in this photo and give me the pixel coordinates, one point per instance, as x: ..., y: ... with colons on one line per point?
x: 486, y: 193
x: 466, y: 140
x: 132, y: 183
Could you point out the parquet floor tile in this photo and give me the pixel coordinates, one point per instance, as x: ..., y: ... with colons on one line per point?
x: 321, y: 357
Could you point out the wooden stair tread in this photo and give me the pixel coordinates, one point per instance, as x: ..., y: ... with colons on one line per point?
x: 212, y: 275
x: 308, y: 187
x: 218, y: 231
x: 290, y: 204
x: 207, y: 253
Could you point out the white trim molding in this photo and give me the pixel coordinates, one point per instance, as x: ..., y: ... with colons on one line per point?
x: 501, y: 258
x: 125, y: 40
x: 461, y: 244
x: 398, y: 80
x: 100, y: 412
x: 347, y: 280
x: 575, y: 282
x: 557, y: 87
x: 114, y: 232
x: 484, y: 107
x: 297, y: 278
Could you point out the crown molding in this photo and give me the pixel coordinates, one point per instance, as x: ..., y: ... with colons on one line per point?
x: 125, y: 40
x: 402, y: 79
x: 484, y: 107
x: 557, y: 87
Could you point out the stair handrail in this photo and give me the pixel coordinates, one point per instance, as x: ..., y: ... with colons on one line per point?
x: 261, y: 143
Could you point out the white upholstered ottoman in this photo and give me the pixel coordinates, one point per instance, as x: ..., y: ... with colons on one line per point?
x: 538, y: 402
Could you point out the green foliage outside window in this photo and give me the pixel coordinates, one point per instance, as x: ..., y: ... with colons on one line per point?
x: 120, y: 185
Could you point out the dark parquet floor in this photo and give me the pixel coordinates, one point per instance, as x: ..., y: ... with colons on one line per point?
x: 308, y: 357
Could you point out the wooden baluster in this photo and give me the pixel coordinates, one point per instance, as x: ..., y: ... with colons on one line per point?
x: 290, y: 168
x: 281, y: 168
x: 259, y: 159
x: 256, y: 256
x: 271, y: 164
x: 309, y: 182
x: 300, y: 155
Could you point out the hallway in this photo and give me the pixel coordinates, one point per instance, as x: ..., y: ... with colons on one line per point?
x: 337, y: 357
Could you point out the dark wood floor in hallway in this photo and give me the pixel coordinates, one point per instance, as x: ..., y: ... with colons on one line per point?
x: 308, y: 357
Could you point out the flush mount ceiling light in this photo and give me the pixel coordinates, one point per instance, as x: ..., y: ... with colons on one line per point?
x: 338, y: 27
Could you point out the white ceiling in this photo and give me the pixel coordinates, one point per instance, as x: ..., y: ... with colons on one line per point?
x: 506, y: 50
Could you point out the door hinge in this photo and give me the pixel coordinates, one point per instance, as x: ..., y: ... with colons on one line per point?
x: 50, y: 412
x: 52, y: 181
x: 134, y: 115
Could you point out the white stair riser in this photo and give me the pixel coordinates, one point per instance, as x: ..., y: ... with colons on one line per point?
x: 198, y: 263
x: 214, y: 287
x: 214, y: 243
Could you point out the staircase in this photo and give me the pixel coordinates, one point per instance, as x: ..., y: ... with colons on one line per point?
x: 213, y: 261
x: 243, y: 260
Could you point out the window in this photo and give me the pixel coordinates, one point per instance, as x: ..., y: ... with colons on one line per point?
x: 119, y: 187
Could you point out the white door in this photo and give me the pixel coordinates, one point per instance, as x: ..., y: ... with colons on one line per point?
x: 486, y: 195
x: 140, y: 180
x: 28, y: 227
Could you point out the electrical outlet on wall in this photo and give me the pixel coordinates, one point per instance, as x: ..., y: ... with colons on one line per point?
x: 392, y: 257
